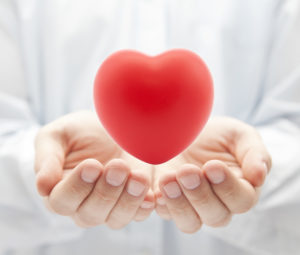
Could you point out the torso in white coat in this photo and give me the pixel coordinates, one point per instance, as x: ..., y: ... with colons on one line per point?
x: 56, y: 47
x: 64, y: 42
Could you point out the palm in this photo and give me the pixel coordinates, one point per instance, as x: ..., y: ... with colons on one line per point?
x: 216, y: 142
x: 85, y: 138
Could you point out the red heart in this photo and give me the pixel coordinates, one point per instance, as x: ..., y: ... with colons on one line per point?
x: 153, y: 107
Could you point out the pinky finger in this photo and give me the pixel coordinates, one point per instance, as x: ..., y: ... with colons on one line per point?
x: 162, y: 209
x: 145, y: 208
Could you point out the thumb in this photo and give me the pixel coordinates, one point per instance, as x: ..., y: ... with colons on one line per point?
x: 49, y: 160
x: 253, y: 156
x: 256, y: 165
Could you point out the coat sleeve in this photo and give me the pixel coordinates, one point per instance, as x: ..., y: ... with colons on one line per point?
x: 273, y: 227
x: 23, y: 219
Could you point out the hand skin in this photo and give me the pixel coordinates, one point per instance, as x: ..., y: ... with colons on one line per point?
x: 227, y: 149
x: 83, y: 174
x: 216, y: 177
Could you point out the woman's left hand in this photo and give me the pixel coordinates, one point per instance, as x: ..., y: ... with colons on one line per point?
x: 217, y: 176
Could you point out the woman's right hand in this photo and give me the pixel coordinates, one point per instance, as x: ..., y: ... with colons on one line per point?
x: 83, y: 174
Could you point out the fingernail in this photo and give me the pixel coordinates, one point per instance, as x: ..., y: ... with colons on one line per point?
x: 90, y: 175
x: 115, y: 177
x: 147, y: 205
x: 190, y: 181
x: 216, y: 175
x: 135, y: 188
x: 161, y: 201
x: 172, y: 190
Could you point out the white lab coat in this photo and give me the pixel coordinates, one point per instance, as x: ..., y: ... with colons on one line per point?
x: 49, y: 53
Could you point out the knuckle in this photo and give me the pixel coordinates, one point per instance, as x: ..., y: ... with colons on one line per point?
x: 220, y: 221
x: 178, y: 209
x: 105, y: 196
x: 129, y: 206
x: 139, y: 218
x: 60, y: 207
x: 88, y: 220
x: 191, y: 229
x: 245, y: 205
x: 115, y: 224
x: 200, y: 198
x: 164, y: 214
x: 92, y: 222
x: 142, y: 215
x: 77, y: 188
x: 79, y: 223
x: 229, y: 192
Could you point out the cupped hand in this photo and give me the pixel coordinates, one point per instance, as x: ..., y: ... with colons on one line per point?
x: 217, y: 176
x: 83, y: 174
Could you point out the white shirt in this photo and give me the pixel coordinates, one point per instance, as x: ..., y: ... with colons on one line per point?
x: 49, y: 54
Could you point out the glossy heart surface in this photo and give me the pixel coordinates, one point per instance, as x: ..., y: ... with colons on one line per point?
x: 153, y: 107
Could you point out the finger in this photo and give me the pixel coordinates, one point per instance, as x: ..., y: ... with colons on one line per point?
x: 49, y: 160
x: 198, y: 192
x: 69, y: 193
x: 236, y: 193
x: 160, y: 170
x: 183, y: 214
x: 161, y: 207
x: 148, y: 204
x: 255, y: 166
x: 96, y: 208
x: 146, y: 208
x: 130, y: 200
x: 252, y: 155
